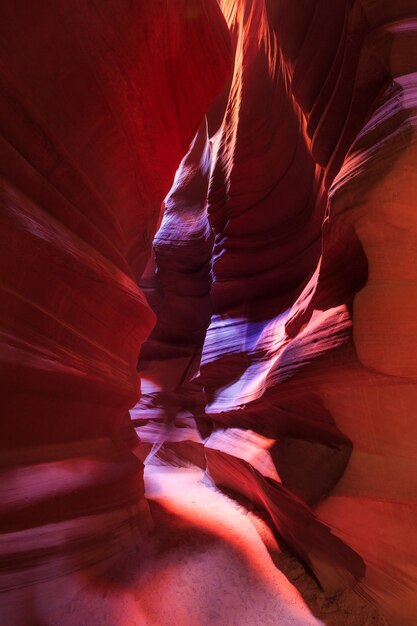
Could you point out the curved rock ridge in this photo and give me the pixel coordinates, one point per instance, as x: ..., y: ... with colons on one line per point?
x: 267, y: 203
x: 98, y: 103
x: 307, y: 363
x: 177, y: 284
x: 370, y: 508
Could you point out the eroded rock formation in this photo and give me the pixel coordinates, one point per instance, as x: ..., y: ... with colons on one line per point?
x: 309, y: 383
x: 99, y: 101
x: 282, y: 280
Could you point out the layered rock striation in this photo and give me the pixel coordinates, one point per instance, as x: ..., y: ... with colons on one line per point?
x: 98, y: 103
x: 279, y: 295
x: 307, y: 365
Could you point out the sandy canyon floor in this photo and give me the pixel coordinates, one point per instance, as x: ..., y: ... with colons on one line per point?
x: 210, y: 562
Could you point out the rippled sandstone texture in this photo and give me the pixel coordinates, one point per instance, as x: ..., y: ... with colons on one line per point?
x: 282, y: 276
x: 307, y: 371
x: 98, y: 104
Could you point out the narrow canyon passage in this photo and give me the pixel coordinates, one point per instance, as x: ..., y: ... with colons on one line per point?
x: 208, y: 288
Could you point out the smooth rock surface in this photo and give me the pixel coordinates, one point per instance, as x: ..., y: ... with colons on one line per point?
x: 98, y: 103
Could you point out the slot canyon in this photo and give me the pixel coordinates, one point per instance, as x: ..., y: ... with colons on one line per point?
x: 208, y: 313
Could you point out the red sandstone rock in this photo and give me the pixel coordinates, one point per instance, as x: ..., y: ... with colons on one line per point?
x: 283, y: 278
x: 311, y: 339
x: 98, y: 103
